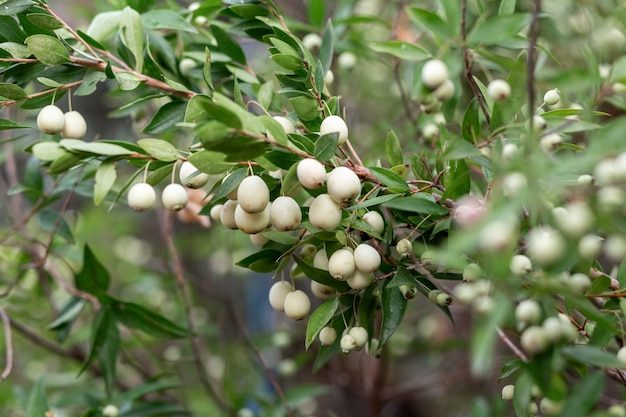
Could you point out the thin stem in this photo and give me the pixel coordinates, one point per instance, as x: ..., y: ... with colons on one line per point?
x: 511, y: 345
x: 6, y: 323
x: 69, y: 29
x: 467, y: 65
x: 530, y: 70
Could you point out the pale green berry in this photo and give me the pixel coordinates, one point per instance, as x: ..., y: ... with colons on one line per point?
x: 51, y: 120
x: 327, y: 336
x: 507, y: 392
x: 297, y: 304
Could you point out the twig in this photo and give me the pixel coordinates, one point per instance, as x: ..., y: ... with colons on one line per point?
x: 467, y: 64
x: 530, y: 70
x: 511, y: 345
x: 69, y: 29
x: 6, y: 323
x: 181, y: 285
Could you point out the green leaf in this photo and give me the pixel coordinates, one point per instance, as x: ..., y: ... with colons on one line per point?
x: 202, y: 108
x: 11, y: 30
x: 522, y: 394
x: 98, y: 148
x: 210, y: 162
x: 401, y: 49
x: 417, y: 203
x: 266, y: 94
x: 104, y: 25
x: 228, y: 45
x: 12, y: 91
x: 160, y: 149
x: 99, y: 333
x: 374, y: 201
x: 37, y: 405
x: 326, y: 146
x: 249, y: 11
x: 470, y: 128
x: 132, y: 36
x: 229, y: 183
x: 498, y: 29
x: 315, y: 12
x: 458, y: 148
x: 107, y: 354
x: 288, y: 62
x: 306, y: 107
x: 591, y: 355
x: 47, y: 50
x: 484, y: 335
x: 584, y: 395
x: 53, y: 221
x: 265, y: 260
x: 275, y: 130
x: 104, y: 180
x: 138, y: 317
x: 166, y: 118
x: 156, y: 408
x: 17, y: 50
x: 68, y: 313
x: 144, y: 389
x: 394, y: 182
x: 393, y: 149
x: 166, y: 19
x: 432, y: 22
x: 393, y: 306
x: 93, y: 277
x: 90, y: 82
x: 326, y: 50
x: 507, y: 7
x: 48, y: 82
x: 206, y: 68
x: 10, y: 124
x: 13, y: 7
x: 127, y: 81
x: 402, y: 277
x: 457, y: 182
x: 320, y: 318
x: 44, y: 20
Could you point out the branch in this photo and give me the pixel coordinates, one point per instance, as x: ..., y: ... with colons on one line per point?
x: 6, y: 323
x: 467, y: 65
x: 530, y: 70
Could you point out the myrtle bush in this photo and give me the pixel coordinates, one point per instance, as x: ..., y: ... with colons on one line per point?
x: 367, y: 161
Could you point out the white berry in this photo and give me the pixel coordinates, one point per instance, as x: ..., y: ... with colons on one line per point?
x: 253, y: 194
x: 141, y: 197
x: 472, y: 272
x: 110, y: 411
x: 404, y: 247
x: 285, y: 213
x: 333, y: 124
x: 297, y: 305
x: 215, y: 211
x: 187, y: 169
x: 341, y: 264
x: 258, y: 240
x: 533, y: 340
x: 312, y: 41
x: 347, y: 343
x: 186, y: 65
x: 375, y: 219
x: 434, y: 73
x: 174, y: 197
x: 343, y: 184
x: 552, y: 97
x: 445, y: 91
x: 325, y: 213
x: 322, y: 291
x: 51, y: 120
x: 366, y: 258
x: 507, y: 392
x: 320, y: 260
x: 227, y: 215
x: 528, y: 312
x: 285, y: 123
x: 75, y: 125
x: 346, y: 60
x: 545, y: 245
x: 311, y: 173
x: 359, y: 280
x: 550, y: 407
x: 360, y: 336
x: 520, y: 265
x: 538, y: 123
x: 327, y: 336
x: 252, y: 223
x: 277, y: 294
x: 589, y: 246
x: 499, y: 90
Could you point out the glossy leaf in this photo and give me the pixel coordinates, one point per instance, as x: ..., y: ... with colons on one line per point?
x: 160, y: 149
x: 13, y: 7
x: 202, y: 108
x: 262, y: 261
x: 402, y: 277
x: 306, y: 107
x: 320, y: 275
x: 498, y: 29
x: 47, y: 50
x: 228, y: 45
x: 132, y: 35
x: 394, y: 306
x: 394, y: 182
x: 327, y: 48
x: 12, y: 91
x: 10, y: 124
x: 98, y: 148
x: 166, y: 118
x: 393, y: 150
x: 401, y: 49
x: 417, y: 204
x: 210, y: 162
x: 319, y: 319
x: 326, y: 146
x: 138, y: 317
x: 93, y: 277
x: 104, y: 180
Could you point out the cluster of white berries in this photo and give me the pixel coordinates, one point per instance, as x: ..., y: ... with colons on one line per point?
x: 71, y: 125
x: 547, y: 406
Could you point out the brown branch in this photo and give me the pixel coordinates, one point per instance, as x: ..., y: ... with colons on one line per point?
x: 511, y: 345
x: 530, y: 70
x: 467, y: 64
x: 69, y: 29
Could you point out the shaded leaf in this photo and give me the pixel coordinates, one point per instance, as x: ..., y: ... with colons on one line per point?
x: 432, y: 22
x: 104, y: 180
x: 401, y: 49
x: 484, y: 336
x: 132, y: 36
x: 393, y: 181
x: 210, y: 162
x: 37, y: 403
x: 266, y: 260
x: 320, y: 318
x: 166, y: 117
x: 584, y: 395
x: 228, y: 45
x: 93, y: 277
x: 166, y: 19
x: 394, y: 306
x: 326, y: 146
x: 417, y: 203
x: 139, y: 317
x: 393, y: 149
x: 321, y: 276
x: 591, y: 355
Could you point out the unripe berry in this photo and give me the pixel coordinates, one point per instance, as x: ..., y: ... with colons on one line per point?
x: 110, y: 411
x: 483, y: 305
x: 466, y: 293
x: 375, y: 219
x: 434, y: 73
x: 141, y: 197
x: 552, y: 97
x: 404, y: 247
x: 174, y: 197
x: 320, y: 260
x: 445, y: 91
x: 245, y: 412
x: 297, y: 305
x: 253, y: 194
x: 615, y: 248
x: 408, y: 291
x: 472, y: 272
x: 507, y: 392
x: 574, y: 219
x: 528, y: 312
x: 553, y: 329
x: 499, y: 90
x: 433, y: 294
x: 312, y: 41
x: 510, y: 151
x: 347, y: 343
x: 366, y: 258
x: 277, y: 294
x: 285, y: 213
x: 75, y: 125
x: 545, y: 245
x: 551, y: 142
x: 325, y: 213
x: 589, y: 246
x: 579, y: 283
x: 287, y: 367
x: 533, y: 340
x: 538, y: 123
x: 520, y: 265
x: 346, y: 60
x: 360, y: 336
x: 359, y: 280
x: 258, y: 240
x: 617, y: 411
x: 329, y: 77
x: 252, y: 223
x: 532, y: 409
x: 585, y: 180
x: 227, y: 215
x: 311, y: 173
x: 333, y: 124
x: 550, y: 407
x: 215, y: 212
x: 51, y: 120
x: 514, y: 184
x: 430, y: 131
x: 285, y: 123
x: 343, y: 184
x: 185, y: 65
x: 341, y: 264
x: 322, y: 291
x: 187, y: 169
x: 327, y: 336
